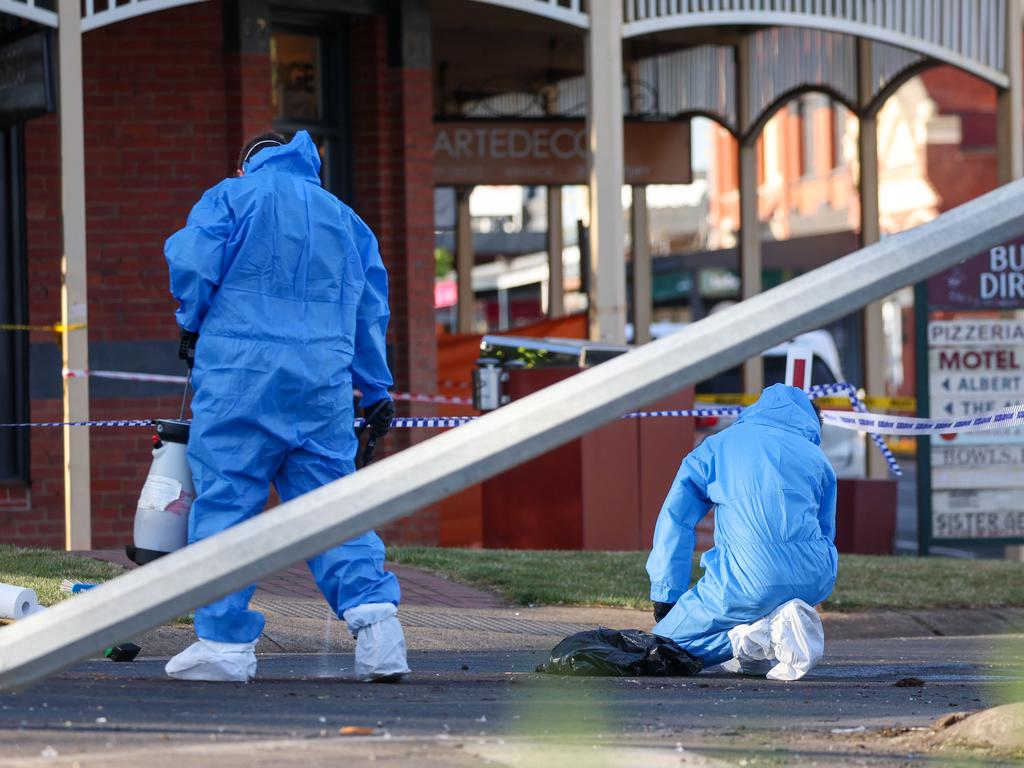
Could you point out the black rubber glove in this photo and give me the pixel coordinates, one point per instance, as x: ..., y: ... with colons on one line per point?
x: 187, y: 347
x: 661, y: 610
x: 378, y: 416
x: 378, y: 420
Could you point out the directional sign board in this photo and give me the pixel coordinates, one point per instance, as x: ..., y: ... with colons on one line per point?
x: 977, y: 514
x: 976, y: 365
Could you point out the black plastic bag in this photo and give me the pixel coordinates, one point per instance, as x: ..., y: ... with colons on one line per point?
x: 620, y: 653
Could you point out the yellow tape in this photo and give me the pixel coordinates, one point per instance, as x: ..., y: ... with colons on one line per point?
x: 885, y: 403
x: 873, y: 402
x: 726, y: 399
x: 56, y: 327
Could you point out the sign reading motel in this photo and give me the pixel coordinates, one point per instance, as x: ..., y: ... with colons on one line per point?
x: 549, y: 152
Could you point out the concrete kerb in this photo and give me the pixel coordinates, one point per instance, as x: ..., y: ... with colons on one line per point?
x: 306, y: 626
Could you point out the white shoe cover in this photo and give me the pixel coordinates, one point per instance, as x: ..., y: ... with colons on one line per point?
x: 788, y: 643
x: 380, y: 643
x: 214, y: 661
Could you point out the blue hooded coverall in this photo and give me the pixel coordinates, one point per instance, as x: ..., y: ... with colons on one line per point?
x: 286, y: 287
x: 774, y: 494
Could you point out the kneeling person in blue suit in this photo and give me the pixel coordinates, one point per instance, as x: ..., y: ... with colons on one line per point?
x: 283, y: 286
x: 774, y: 494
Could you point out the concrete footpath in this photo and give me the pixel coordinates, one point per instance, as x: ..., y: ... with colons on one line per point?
x: 441, y: 614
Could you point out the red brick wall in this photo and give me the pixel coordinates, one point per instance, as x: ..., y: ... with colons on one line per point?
x: 166, y: 111
x: 392, y: 128
x: 961, y: 172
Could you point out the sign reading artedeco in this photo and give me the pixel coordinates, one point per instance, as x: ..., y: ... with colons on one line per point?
x: 470, y: 152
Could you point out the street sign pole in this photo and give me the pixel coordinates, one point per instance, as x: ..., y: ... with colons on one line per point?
x: 924, y: 444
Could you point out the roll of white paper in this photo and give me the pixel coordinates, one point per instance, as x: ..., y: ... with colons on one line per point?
x: 17, y: 602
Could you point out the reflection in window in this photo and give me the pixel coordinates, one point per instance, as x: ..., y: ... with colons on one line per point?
x: 296, y: 74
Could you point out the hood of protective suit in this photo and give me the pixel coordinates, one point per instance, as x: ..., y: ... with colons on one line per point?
x: 299, y: 157
x: 784, y: 407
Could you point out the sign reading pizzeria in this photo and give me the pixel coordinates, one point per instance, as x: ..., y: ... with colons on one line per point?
x: 550, y: 152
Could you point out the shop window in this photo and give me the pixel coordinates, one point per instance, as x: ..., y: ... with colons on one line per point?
x: 309, y: 81
x: 296, y: 75
x: 13, y: 308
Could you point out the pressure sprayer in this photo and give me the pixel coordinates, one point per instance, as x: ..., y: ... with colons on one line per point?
x: 161, y: 517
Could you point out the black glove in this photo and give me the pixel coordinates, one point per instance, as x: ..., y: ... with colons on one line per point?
x: 661, y: 610
x: 187, y: 347
x: 378, y: 417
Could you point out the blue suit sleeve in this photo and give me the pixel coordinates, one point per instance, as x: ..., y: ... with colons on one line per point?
x: 827, y: 512
x: 670, y: 563
x: 197, y: 257
x: 370, y: 373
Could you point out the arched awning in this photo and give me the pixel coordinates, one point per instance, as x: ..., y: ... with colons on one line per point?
x: 96, y: 13
x: 965, y: 33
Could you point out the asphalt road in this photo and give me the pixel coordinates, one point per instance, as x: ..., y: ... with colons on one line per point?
x: 99, y: 709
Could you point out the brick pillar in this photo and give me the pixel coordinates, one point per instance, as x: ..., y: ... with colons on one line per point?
x: 392, y: 138
x: 247, y: 76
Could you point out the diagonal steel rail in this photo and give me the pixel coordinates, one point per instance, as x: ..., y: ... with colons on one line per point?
x: 50, y: 641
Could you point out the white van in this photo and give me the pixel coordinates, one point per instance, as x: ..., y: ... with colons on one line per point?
x: 845, y: 448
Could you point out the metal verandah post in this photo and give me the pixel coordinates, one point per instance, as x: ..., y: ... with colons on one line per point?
x: 750, y: 223
x: 606, y: 165
x: 872, y: 327
x: 74, y: 315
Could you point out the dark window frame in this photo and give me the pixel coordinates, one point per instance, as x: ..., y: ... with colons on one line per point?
x: 14, y: 378
x: 335, y: 81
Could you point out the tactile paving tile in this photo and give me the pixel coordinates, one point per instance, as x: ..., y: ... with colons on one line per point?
x: 314, y: 609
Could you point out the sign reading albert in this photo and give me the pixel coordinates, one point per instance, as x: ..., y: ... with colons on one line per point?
x: 471, y: 152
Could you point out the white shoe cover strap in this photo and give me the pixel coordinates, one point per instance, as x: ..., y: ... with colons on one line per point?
x: 216, y: 646
x: 369, y: 613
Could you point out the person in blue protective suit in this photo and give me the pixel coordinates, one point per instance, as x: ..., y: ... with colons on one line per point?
x: 282, y: 290
x: 774, y: 494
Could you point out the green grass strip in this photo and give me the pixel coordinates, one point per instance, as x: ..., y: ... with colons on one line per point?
x: 619, y: 579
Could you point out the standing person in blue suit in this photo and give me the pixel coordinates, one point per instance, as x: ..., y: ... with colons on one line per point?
x: 774, y: 494
x: 283, y: 295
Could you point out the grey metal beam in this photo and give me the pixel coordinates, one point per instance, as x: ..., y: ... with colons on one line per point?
x: 50, y: 641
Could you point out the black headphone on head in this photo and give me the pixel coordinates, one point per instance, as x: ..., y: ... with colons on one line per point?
x: 272, y: 142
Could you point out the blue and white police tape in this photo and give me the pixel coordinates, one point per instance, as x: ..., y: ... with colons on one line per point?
x: 399, y: 422
x: 886, y: 424
x: 95, y: 423
x: 863, y: 419
x: 844, y: 388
